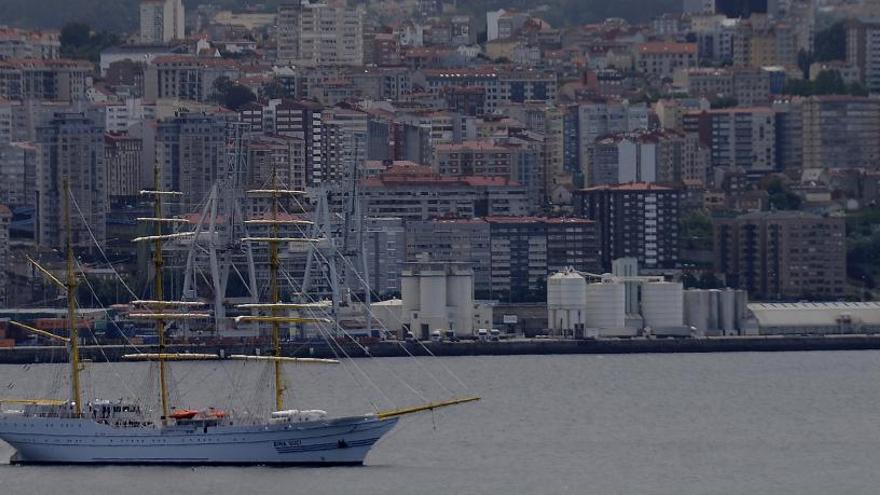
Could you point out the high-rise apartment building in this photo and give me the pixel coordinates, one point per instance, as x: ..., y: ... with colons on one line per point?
x: 287, y: 32
x: 186, y: 77
x: 737, y: 137
x: 385, y: 250
x: 636, y: 220
x: 123, y: 155
x: 191, y: 153
x: 414, y: 192
x: 549, y: 122
x: 55, y: 80
x: 71, y: 149
x: 298, y: 119
x: 863, y: 51
x: 783, y: 254
x: 841, y: 132
x: 511, y: 256
x: 161, y: 21
x: 789, y: 134
x: 320, y: 33
x: 524, y: 251
x: 344, y: 145
x: 18, y: 181
x: 665, y: 157
x: 601, y: 117
x: 759, y: 44
x: 283, y: 157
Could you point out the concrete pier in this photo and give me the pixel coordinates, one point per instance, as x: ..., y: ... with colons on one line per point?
x: 30, y: 355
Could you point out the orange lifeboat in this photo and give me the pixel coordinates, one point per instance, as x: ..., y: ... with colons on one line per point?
x: 184, y: 414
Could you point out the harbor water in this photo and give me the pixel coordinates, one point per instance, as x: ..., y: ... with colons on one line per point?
x: 736, y: 423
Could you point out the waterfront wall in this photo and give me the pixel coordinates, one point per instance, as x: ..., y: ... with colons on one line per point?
x: 29, y: 355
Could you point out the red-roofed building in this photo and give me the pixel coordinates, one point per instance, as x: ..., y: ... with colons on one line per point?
x: 662, y: 58
x: 37, y: 79
x: 638, y: 220
x: 19, y: 43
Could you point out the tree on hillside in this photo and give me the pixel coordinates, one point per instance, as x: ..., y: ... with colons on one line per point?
x: 781, y: 198
x: 829, y: 82
x: 830, y: 43
x: 75, y: 35
x: 232, y: 95
x: 695, y: 231
x: 79, y: 41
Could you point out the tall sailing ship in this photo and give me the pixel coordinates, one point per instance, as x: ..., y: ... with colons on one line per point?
x: 125, y: 432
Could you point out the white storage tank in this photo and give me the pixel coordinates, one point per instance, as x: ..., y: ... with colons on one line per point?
x: 432, y: 294
x: 606, y: 305
x: 409, y: 292
x: 662, y: 304
x: 460, y: 299
x: 715, y: 311
x: 727, y: 313
x: 696, y: 310
x: 742, y: 309
x: 566, y: 300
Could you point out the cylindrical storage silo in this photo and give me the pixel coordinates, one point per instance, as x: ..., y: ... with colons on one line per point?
x: 409, y: 292
x: 432, y: 294
x: 696, y: 310
x: 554, y: 290
x: 662, y: 304
x: 706, y: 305
x: 566, y: 300
x: 606, y: 305
x: 460, y: 299
x: 714, y: 296
x: 742, y: 307
x: 728, y: 311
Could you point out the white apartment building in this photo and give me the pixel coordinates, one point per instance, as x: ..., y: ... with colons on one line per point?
x: 320, y: 33
x: 161, y: 21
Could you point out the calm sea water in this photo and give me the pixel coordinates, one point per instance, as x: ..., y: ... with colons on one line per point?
x: 776, y: 423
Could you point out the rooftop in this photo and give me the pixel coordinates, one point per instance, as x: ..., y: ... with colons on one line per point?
x: 408, y: 174
x: 37, y: 63
x: 812, y: 314
x: 660, y: 47
x: 630, y: 186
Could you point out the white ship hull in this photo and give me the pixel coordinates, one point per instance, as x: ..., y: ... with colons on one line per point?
x: 343, y: 441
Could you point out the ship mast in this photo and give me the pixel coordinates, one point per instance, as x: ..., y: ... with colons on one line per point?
x: 158, y: 262
x: 159, y: 310
x: 69, y: 285
x: 274, y: 239
x: 276, y: 295
x: 75, y: 392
